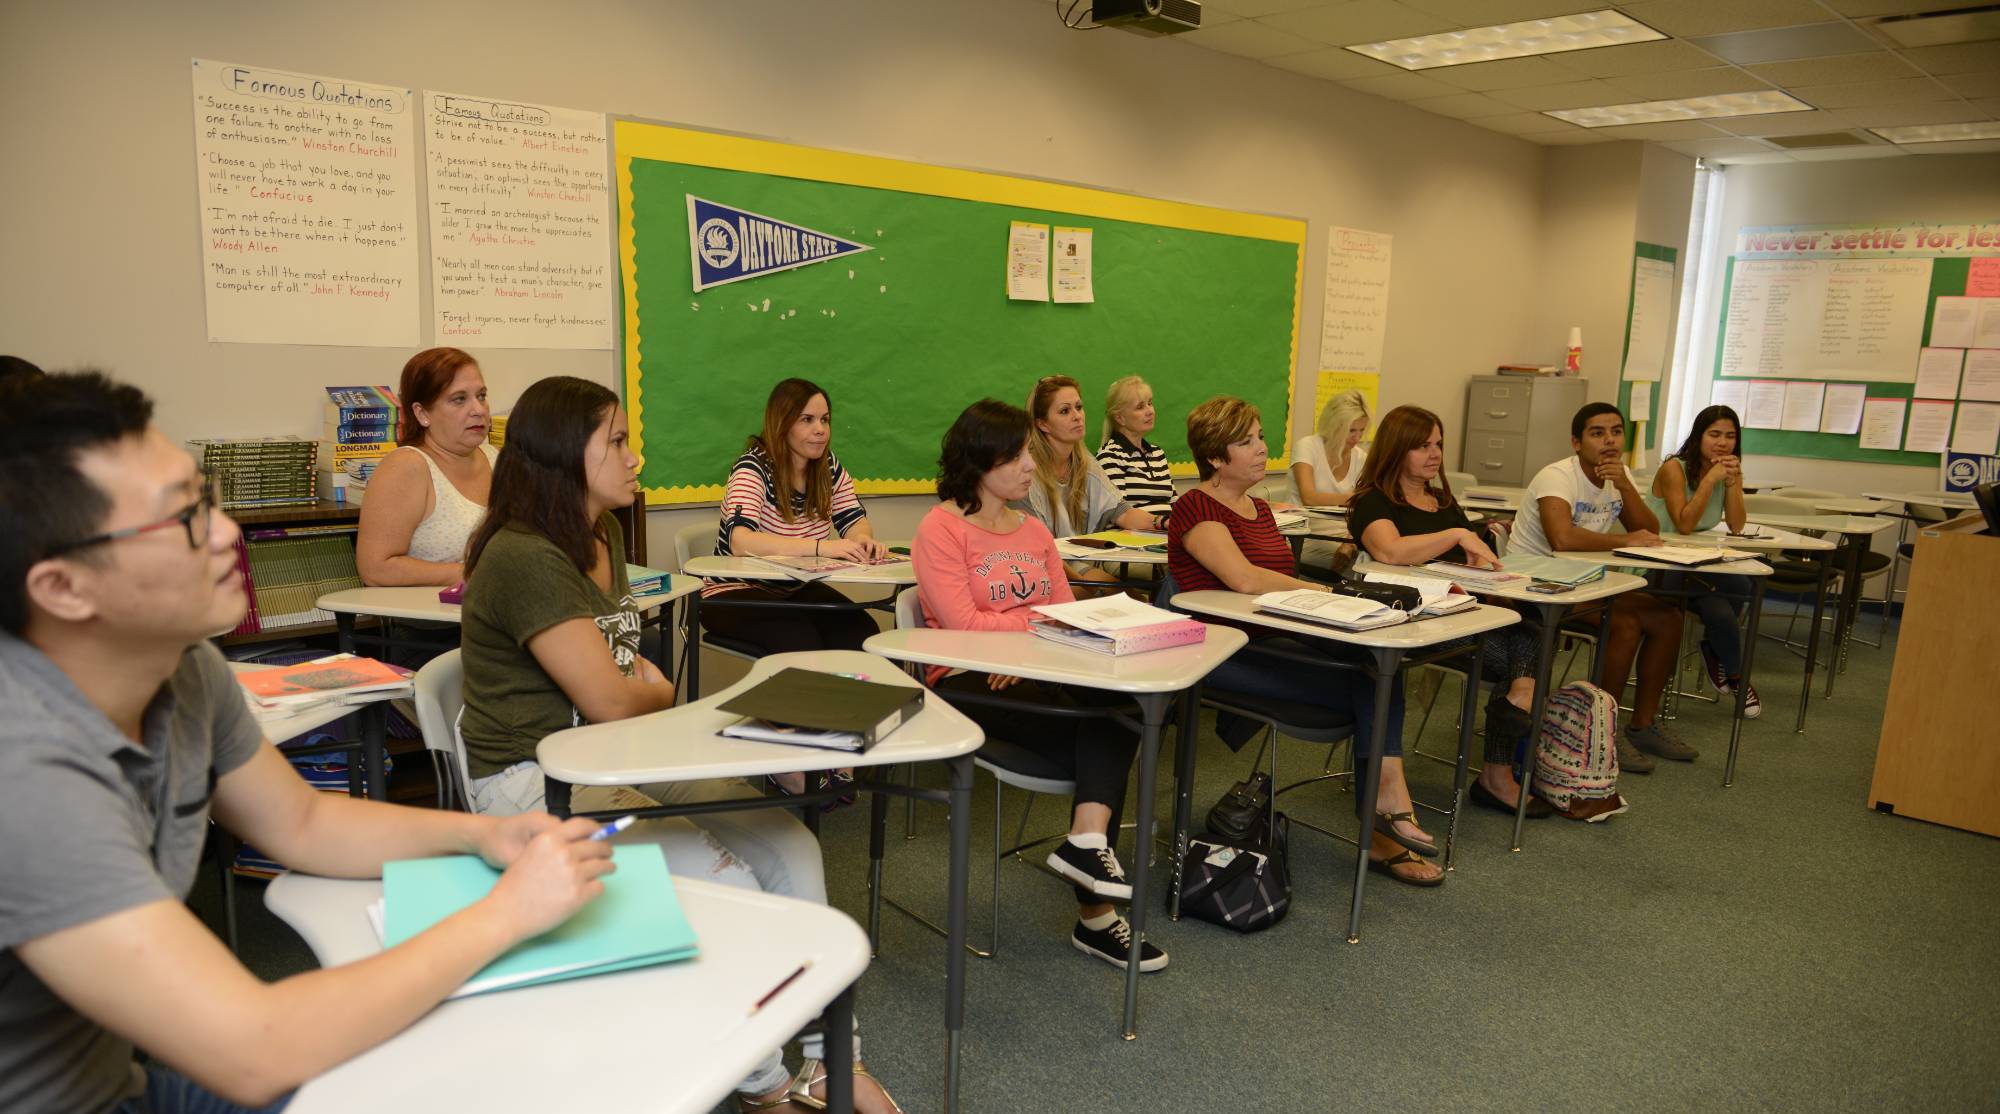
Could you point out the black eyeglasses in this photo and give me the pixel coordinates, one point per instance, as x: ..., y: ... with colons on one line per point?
x: 193, y: 518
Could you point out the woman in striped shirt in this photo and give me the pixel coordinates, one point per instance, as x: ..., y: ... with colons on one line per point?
x: 1221, y: 537
x: 1135, y: 466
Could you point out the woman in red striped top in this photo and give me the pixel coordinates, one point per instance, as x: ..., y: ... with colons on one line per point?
x: 1220, y: 537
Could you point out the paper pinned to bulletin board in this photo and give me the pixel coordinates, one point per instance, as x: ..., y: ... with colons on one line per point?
x: 1332, y: 383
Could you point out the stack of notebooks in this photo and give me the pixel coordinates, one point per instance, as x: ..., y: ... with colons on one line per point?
x: 360, y: 429
x: 1686, y: 556
x: 334, y: 678
x: 261, y: 472
x: 830, y: 711
x: 1115, y: 625
x: 647, y: 582
x: 636, y: 922
x: 496, y: 434
x: 1105, y: 540
x: 287, y: 570
x: 1560, y: 571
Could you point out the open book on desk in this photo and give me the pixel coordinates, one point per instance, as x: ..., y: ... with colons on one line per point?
x: 808, y: 568
x: 1440, y: 597
x: 1342, y: 612
x: 636, y: 922
x: 1687, y: 556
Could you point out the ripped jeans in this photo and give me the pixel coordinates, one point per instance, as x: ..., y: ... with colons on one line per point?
x: 758, y: 849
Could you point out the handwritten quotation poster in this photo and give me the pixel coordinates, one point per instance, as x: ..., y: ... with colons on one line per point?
x: 308, y: 205
x: 519, y: 223
x: 1354, y: 319
x: 1652, y: 325
x: 1827, y: 318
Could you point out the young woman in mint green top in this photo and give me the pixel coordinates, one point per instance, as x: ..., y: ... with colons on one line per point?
x: 1696, y: 488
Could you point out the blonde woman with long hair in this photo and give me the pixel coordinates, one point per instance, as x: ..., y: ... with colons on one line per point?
x: 1071, y: 495
x: 1135, y: 466
x: 1326, y: 465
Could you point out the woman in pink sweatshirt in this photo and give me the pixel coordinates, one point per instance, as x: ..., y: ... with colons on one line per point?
x: 981, y: 565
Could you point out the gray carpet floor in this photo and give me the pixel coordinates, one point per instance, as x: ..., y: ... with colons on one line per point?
x: 1772, y: 946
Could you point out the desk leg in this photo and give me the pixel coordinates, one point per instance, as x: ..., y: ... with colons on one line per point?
x: 374, y: 730
x: 839, y: 1051
x: 1812, y: 639
x: 344, y: 623
x: 1153, y: 707
x: 691, y: 646
x: 1743, y: 687
x: 555, y: 797
x: 1184, y: 762
x: 960, y: 770
x: 1465, y: 717
x: 878, y: 819
x: 1850, y: 604
x: 1545, y: 667
x: 1386, y: 664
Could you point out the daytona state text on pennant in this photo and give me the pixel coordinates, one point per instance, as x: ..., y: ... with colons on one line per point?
x: 728, y: 245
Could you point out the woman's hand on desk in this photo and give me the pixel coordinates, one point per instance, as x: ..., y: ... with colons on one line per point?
x: 553, y: 877
x: 508, y: 837
x: 853, y: 549
x: 1476, y: 552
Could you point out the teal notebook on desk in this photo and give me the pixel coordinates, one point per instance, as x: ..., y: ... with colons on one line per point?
x: 636, y: 922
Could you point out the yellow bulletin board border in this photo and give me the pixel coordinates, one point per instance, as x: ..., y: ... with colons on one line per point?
x: 643, y: 139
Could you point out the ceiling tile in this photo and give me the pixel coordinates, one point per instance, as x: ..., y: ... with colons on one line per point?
x: 1248, y: 39
x: 1783, y: 123
x: 1570, y: 94
x: 1486, y: 13
x: 1524, y: 123
x: 1955, y: 58
x: 1900, y: 115
x: 1903, y: 90
x: 1508, y: 73
x: 1991, y: 106
x: 1686, y: 83
x: 1686, y: 18
x: 1779, y: 44
x: 1853, y: 8
x: 1633, y: 58
x: 1958, y: 147
x: 1753, y: 160
x: 1841, y: 68
x: 1568, y: 139
x: 1718, y: 148
x: 1464, y: 106
x: 1334, y: 64
x: 1243, y: 9
x: 1973, y: 84
x: 1400, y: 86
x: 1360, y: 21
x: 1665, y: 129
x: 1844, y: 154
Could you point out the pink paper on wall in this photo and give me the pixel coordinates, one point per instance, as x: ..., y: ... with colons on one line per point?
x: 1982, y: 280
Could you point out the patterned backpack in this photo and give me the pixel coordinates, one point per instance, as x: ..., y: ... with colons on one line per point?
x: 1576, y: 766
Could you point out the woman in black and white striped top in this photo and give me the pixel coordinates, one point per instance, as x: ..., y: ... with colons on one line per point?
x: 1136, y: 466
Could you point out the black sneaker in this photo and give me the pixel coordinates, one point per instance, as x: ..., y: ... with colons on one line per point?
x: 1113, y: 943
x: 1091, y: 868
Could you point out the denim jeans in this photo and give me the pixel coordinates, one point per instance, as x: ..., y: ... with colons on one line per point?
x: 1718, y: 615
x: 1253, y: 673
x: 169, y: 1092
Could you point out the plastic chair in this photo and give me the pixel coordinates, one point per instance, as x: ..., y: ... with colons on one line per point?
x: 699, y: 541
x: 440, y: 697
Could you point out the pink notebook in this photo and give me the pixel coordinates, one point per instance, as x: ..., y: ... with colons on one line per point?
x: 1132, y: 640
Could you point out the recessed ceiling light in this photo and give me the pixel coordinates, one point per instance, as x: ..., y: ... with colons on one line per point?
x: 1511, y: 40
x: 1939, y: 133
x: 1687, y: 108
x: 1964, y: 25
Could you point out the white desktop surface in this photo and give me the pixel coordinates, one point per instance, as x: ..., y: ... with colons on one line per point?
x: 1612, y: 583
x: 1742, y: 567
x: 682, y: 744
x: 1020, y: 654
x: 1768, y: 539
x: 1070, y: 551
x: 1825, y: 523
x: 422, y: 602
x: 671, y: 1039
x: 901, y: 572
x: 1242, y: 607
x: 1951, y: 500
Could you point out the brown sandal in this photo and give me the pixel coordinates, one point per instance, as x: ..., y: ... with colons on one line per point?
x: 1388, y: 866
x: 810, y: 1073
x: 1385, y: 823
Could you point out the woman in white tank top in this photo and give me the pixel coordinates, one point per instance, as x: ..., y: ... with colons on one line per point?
x: 429, y: 494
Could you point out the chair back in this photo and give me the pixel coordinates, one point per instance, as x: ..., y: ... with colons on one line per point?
x: 693, y: 541
x: 1461, y: 482
x: 909, y: 610
x: 1777, y: 504
x: 440, y: 697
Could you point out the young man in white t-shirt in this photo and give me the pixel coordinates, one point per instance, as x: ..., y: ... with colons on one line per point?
x: 1586, y: 501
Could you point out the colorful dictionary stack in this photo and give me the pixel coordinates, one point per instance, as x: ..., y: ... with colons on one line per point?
x: 360, y: 429
x: 496, y: 435
x: 291, y: 569
x: 261, y: 472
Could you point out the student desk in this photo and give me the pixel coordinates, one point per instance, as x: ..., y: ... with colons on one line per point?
x: 1757, y: 571
x: 1506, y: 499
x: 1947, y: 500
x: 421, y: 604
x: 1388, y: 647
x: 893, y: 576
x: 1855, y: 532
x: 1551, y: 610
x: 1151, y: 679
x: 676, y: 1037
x: 280, y: 724
x: 683, y: 744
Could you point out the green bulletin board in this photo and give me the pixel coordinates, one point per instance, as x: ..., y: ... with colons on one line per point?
x: 905, y: 334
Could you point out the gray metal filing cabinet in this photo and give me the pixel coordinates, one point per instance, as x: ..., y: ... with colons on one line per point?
x: 1516, y: 424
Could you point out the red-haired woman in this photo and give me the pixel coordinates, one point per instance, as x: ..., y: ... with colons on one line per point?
x: 429, y: 494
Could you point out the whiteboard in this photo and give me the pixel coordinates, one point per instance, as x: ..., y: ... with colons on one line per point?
x: 1859, y: 319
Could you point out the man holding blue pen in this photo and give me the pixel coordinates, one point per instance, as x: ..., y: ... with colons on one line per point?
x: 124, y: 732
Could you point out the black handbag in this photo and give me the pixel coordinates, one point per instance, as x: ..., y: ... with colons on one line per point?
x: 1402, y: 597
x: 1247, y: 887
x: 1238, y: 815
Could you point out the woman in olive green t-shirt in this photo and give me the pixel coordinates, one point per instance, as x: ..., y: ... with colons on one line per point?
x: 550, y: 639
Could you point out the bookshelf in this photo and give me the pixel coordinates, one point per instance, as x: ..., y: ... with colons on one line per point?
x: 289, y: 573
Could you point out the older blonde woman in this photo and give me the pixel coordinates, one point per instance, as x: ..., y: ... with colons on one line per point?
x: 1135, y: 466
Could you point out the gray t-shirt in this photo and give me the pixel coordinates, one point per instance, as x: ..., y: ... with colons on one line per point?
x: 92, y: 824
x: 1101, y: 503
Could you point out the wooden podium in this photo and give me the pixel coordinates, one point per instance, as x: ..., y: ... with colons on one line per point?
x: 1939, y: 755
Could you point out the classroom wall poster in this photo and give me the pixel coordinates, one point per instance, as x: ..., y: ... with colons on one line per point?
x: 306, y: 187
x: 520, y: 231
x: 1863, y: 241
x: 1331, y: 383
x: 1651, y: 328
x: 1961, y: 472
x: 1354, y: 317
